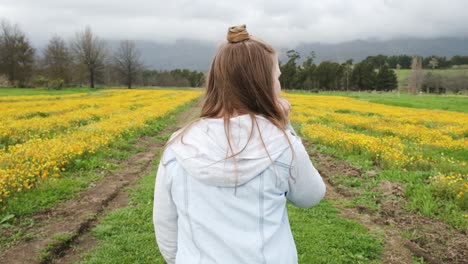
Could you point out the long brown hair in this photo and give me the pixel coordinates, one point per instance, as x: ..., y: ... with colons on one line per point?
x: 241, y: 81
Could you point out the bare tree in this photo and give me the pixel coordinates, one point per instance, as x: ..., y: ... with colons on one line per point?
x: 90, y: 51
x: 16, y: 53
x: 416, y: 78
x: 128, y: 62
x: 434, y: 63
x: 348, y: 70
x: 58, y: 60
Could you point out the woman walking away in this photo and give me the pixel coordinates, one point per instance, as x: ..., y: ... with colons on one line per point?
x: 223, y: 181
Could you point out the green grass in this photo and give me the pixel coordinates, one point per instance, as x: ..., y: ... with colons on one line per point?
x: 441, y: 102
x: 420, y: 196
x: 83, y: 171
x: 403, y: 74
x: 458, y: 103
x: 322, y: 236
x: 50, y: 192
x: 72, y: 90
x: 80, y: 175
x: 44, y: 91
x: 126, y: 235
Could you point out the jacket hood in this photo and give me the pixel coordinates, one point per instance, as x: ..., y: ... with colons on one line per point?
x: 204, y: 148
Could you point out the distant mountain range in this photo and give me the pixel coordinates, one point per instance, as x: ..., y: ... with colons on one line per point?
x: 197, y: 55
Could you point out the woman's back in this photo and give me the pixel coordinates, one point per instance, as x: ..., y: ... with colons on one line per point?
x: 234, y: 210
x: 223, y: 182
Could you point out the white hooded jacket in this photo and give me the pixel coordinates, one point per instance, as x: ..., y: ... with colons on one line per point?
x: 209, y: 209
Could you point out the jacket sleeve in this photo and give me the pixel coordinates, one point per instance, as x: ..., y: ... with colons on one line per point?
x: 306, y: 187
x: 165, y: 214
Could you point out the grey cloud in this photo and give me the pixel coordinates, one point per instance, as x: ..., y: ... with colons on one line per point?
x: 284, y: 23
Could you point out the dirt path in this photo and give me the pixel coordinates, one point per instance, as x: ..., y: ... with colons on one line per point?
x: 436, y: 241
x: 60, y: 234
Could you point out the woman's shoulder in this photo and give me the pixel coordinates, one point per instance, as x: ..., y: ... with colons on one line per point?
x: 185, y: 129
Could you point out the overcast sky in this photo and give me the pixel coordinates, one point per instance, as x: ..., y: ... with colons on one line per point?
x: 283, y: 23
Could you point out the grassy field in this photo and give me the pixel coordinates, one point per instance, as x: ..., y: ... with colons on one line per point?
x: 21, y: 195
x: 42, y: 136
x: 72, y: 90
x: 400, y: 145
x: 458, y: 103
x: 126, y: 235
x: 403, y: 74
x: 39, y: 91
x: 411, y: 147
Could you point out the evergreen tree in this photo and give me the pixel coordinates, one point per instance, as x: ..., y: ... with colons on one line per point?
x: 386, y: 79
x: 392, y: 62
x: 363, y: 76
x: 306, y: 73
x: 329, y: 75
x: 405, y: 61
x: 459, y: 60
x: 289, y: 70
x: 377, y: 61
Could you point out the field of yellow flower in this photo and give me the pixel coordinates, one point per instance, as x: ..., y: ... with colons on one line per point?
x: 40, y: 135
x: 398, y: 138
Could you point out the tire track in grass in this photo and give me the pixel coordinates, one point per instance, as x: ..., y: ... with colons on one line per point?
x: 430, y: 239
x: 394, y: 249
x: 87, y: 241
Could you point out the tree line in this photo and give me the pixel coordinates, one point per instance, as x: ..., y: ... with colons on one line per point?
x: 330, y: 75
x: 405, y: 61
x: 174, y: 78
x: 433, y: 81
x: 373, y: 73
x: 85, y: 59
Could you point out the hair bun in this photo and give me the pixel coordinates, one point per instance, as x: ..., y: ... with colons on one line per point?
x: 237, y: 34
